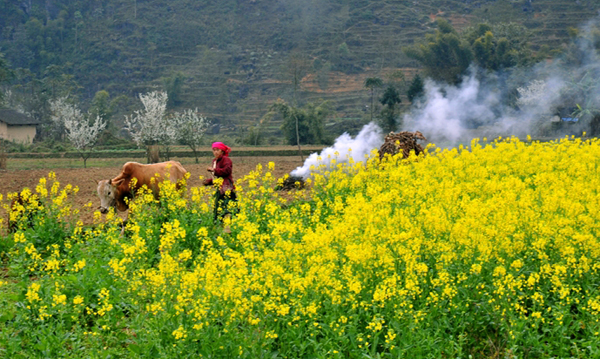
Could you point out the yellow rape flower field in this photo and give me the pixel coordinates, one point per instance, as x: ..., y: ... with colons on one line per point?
x: 487, y: 251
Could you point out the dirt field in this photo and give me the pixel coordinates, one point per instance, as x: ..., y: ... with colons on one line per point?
x: 84, y: 178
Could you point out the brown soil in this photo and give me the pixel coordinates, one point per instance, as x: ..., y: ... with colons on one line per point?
x: 85, y: 178
x: 339, y: 82
x: 459, y: 22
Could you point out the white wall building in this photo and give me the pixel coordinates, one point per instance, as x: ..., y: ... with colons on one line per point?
x: 17, y: 127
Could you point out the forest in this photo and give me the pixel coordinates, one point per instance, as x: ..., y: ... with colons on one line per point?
x: 234, y: 61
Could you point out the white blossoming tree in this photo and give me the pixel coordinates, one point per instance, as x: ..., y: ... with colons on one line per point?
x: 60, y: 111
x: 83, y: 134
x: 149, y: 127
x: 537, y: 101
x: 170, y: 135
x: 531, y: 95
x: 80, y: 130
x: 190, y: 127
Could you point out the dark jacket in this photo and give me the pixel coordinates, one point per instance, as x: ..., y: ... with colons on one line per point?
x: 223, y: 169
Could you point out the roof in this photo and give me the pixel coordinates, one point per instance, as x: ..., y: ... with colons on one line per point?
x: 12, y: 117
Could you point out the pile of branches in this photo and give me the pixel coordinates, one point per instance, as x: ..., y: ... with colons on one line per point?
x: 402, y: 141
x: 290, y: 183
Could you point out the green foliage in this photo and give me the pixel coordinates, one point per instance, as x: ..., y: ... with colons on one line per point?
x: 253, y: 137
x: 5, y: 74
x: 5, y: 71
x: 101, y: 106
x: 397, y: 79
x: 306, y: 122
x: 371, y: 83
x: 443, y: 54
x: 173, y: 86
x: 416, y: 88
x: 446, y: 54
x: 58, y: 82
x: 500, y: 46
x: 390, y: 99
x: 344, y: 60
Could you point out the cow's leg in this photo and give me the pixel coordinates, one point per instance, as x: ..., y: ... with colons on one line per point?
x: 123, y: 227
x: 124, y: 223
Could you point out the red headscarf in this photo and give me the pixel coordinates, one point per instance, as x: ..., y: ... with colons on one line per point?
x: 222, y: 147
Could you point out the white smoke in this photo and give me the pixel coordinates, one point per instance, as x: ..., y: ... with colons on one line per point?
x: 481, y: 106
x: 443, y: 114
x: 345, y: 147
x: 448, y: 115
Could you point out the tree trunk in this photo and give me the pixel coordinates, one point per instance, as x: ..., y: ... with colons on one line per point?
x: 2, y: 156
x: 298, y: 139
x: 195, y: 155
x: 296, y: 117
x: 84, y: 156
x: 153, y: 154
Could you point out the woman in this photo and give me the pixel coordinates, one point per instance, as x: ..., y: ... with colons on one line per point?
x: 222, y: 168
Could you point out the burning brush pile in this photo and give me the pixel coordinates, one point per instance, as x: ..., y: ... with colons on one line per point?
x: 395, y: 143
x: 291, y: 182
x: 402, y: 141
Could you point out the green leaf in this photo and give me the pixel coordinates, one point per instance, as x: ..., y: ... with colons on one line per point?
x: 135, y: 349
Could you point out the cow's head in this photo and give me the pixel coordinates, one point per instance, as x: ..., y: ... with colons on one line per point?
x: 107, y: 191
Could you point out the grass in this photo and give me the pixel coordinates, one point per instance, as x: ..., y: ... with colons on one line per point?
x: 52, y: 163
x: 205, y: 156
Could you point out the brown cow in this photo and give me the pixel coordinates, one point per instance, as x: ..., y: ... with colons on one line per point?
x: 113, y: 192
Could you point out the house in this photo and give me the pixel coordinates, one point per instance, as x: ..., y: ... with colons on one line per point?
x: 17, y: 127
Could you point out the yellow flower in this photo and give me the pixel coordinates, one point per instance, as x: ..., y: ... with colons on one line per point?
x: 271, y: 335
x: 78, y: 300
x: 59, y: 299
x: 32, y: 292
x: 20, y: 237
x: 180, y: 333
x: 79, y: 265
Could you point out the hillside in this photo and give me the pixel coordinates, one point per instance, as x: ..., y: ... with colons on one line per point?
x: 230, y: 59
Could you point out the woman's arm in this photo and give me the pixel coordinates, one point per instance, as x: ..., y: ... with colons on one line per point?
x: 224, y: 167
